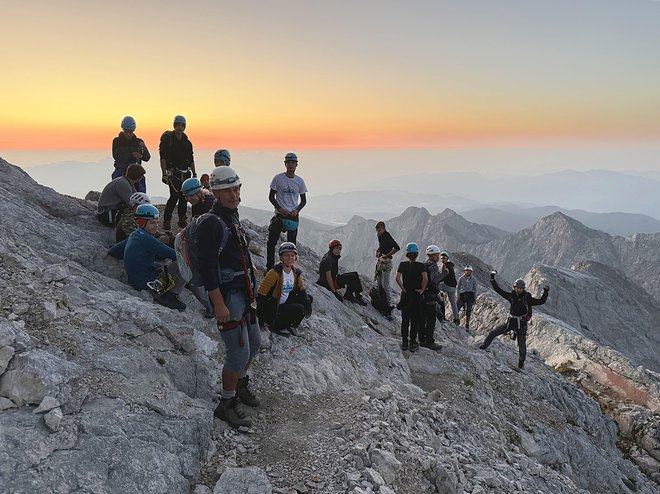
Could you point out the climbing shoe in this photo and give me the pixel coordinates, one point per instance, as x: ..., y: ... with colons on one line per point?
x: 244, y: 393
x: 170, y: 301
x: 229, y: 411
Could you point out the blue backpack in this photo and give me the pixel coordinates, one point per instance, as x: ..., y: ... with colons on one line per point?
x: 186, y: 247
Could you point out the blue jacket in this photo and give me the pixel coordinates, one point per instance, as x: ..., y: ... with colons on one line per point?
x: 139, y: 253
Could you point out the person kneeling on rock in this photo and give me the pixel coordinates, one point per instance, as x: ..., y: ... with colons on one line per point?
x: 282, y: 301
x: 139, y: 253
x: 330, y: 278
x: 520, y: 313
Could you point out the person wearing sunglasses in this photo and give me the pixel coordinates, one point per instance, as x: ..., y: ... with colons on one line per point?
x: 520, y: 313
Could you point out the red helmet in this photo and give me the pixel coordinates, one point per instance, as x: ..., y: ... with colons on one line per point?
x: 334, y: 243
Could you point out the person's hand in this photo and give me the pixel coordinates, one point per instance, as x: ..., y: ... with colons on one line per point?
x: 420, y: 291
x: 165, y: 179
x: 492, y: 274
x: 221, y: 313
x: 294, y: 213
x: 546, y: 288
x: 338, y: 296
x: 137, y: 155
x: 283, y: 212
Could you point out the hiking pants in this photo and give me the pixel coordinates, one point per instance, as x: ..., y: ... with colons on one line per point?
x: 440, y: 308
x: 451, y: 293
x: 288, y: 315
x: 352, y: 283
x: 241, y: 343
x: 384, y: 270
x: 521, y: 336
x: 428, y: 323
x: 180, y: 283
x: 177, y: 178
x: 466, y: 299
x: 411, y: 315
x: 274, y: 229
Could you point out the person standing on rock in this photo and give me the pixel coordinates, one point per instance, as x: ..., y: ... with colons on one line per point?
x: 222, y: 157
x: 520, y: 312
x: 467, y: 293
x: 330, y: 278
x: 430, y: 299
x: 116, y: 196
x: 285, y: 190
x: 412, y: 279
x: 282, y: 301
x: 449, y: 283
x: 127, y: 149
x: 177, y: 164
x: 228, y: 275
x: 387, y: 247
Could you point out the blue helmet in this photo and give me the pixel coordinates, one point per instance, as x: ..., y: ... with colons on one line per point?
x: 222, y: 155
x: 289, y: 224
x: 191, y: 186
x: 291, y: 157
x: 179, y: 119
x: 412, y: 248
x: 128, y: 123
x: 147, y: 211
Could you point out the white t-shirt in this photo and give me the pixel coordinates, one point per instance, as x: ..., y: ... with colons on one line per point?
x: 287, y: 286
x: 288, y: 190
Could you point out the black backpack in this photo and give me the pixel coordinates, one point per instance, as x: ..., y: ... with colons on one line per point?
x: 379, y: 300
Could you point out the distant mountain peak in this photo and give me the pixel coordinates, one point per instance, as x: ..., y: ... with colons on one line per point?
x: 559, y: 220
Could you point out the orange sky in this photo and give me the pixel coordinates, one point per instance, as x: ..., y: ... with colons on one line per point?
x: 301, y: 75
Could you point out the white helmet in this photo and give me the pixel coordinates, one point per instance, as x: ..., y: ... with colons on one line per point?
x: 139, y: 198
x: 468, y: 268
x: 432, y: 249
x: 223, y: 177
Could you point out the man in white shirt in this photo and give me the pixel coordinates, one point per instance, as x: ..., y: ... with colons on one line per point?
x: 286, y: 189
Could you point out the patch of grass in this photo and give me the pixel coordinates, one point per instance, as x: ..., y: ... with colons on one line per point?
x: 161, y: 360
x: 468, y: 381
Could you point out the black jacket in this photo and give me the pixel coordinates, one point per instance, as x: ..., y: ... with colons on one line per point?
x: 521, y: 305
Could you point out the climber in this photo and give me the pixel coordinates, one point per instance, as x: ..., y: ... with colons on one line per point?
x: 282, y: 300
x: 520, y: 312
x: 330, y: 278
x: 412, y: 279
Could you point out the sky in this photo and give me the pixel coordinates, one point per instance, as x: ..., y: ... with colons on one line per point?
x: 312, y: 75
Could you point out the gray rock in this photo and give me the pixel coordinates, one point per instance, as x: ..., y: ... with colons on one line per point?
x: 6, y: 353
x: 47, y: 404
x: 386, y: 464
x: 6, y: 403
x: 57, y: 272
x: 202, y: 489
x: 53, y: 419
x: 373, y: 476
x: 251, y: 480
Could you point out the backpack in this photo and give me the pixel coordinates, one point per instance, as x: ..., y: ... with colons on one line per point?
x: 378, y: 299
x: 185, y: 246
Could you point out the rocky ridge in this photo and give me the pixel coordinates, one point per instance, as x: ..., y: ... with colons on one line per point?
x: 343, y: 409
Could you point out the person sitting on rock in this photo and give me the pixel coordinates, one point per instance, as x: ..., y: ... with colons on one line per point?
x: 116, y: 196
x: 412, y: 279
x: 205, y: 180
x: 201, y: 199
x: 126, y: 224
x: 139, y: 253
x: 467, y: 293
x: 520, y: 312
x: 330, y: 278
x: 282, y: 301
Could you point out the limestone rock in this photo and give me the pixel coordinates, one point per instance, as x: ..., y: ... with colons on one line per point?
x: 47, y: 404
x: 53, y: 419
x: 6, y: 353
x: 251, y: 480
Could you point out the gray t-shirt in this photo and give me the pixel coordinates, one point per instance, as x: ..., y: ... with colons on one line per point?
x: 288, y: 190
x: 116, y: 195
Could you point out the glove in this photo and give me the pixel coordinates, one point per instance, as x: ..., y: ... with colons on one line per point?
x: 546, y: 288
x: 492, y: 275
x: 165, y: 179
x: 338, y: 296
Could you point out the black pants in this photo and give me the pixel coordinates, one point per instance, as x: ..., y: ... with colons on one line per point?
x: 289, y: 315
x: 411, y: 315
x: 521, y: 336
x: 274, y: 230
x: 177, y: 178
x: 428, y: 323
x: 352, y: 283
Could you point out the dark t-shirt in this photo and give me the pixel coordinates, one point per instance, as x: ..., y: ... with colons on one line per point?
x: 412, y: 274
x: 386, y: 243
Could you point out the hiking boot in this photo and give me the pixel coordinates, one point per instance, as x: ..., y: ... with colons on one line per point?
x: 359, y: 300
x: 482, y: 347
x: 432, y: 346
x: 404, y: 346
x: 244, y: 393
x: 414, y: 346
x: 167, y: 226
x: 457, y: 321
x: 229, y: 411
x: 170, y: 301
x: 521, y: 364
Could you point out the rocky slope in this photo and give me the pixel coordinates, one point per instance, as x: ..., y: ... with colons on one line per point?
x: 126, y: 389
